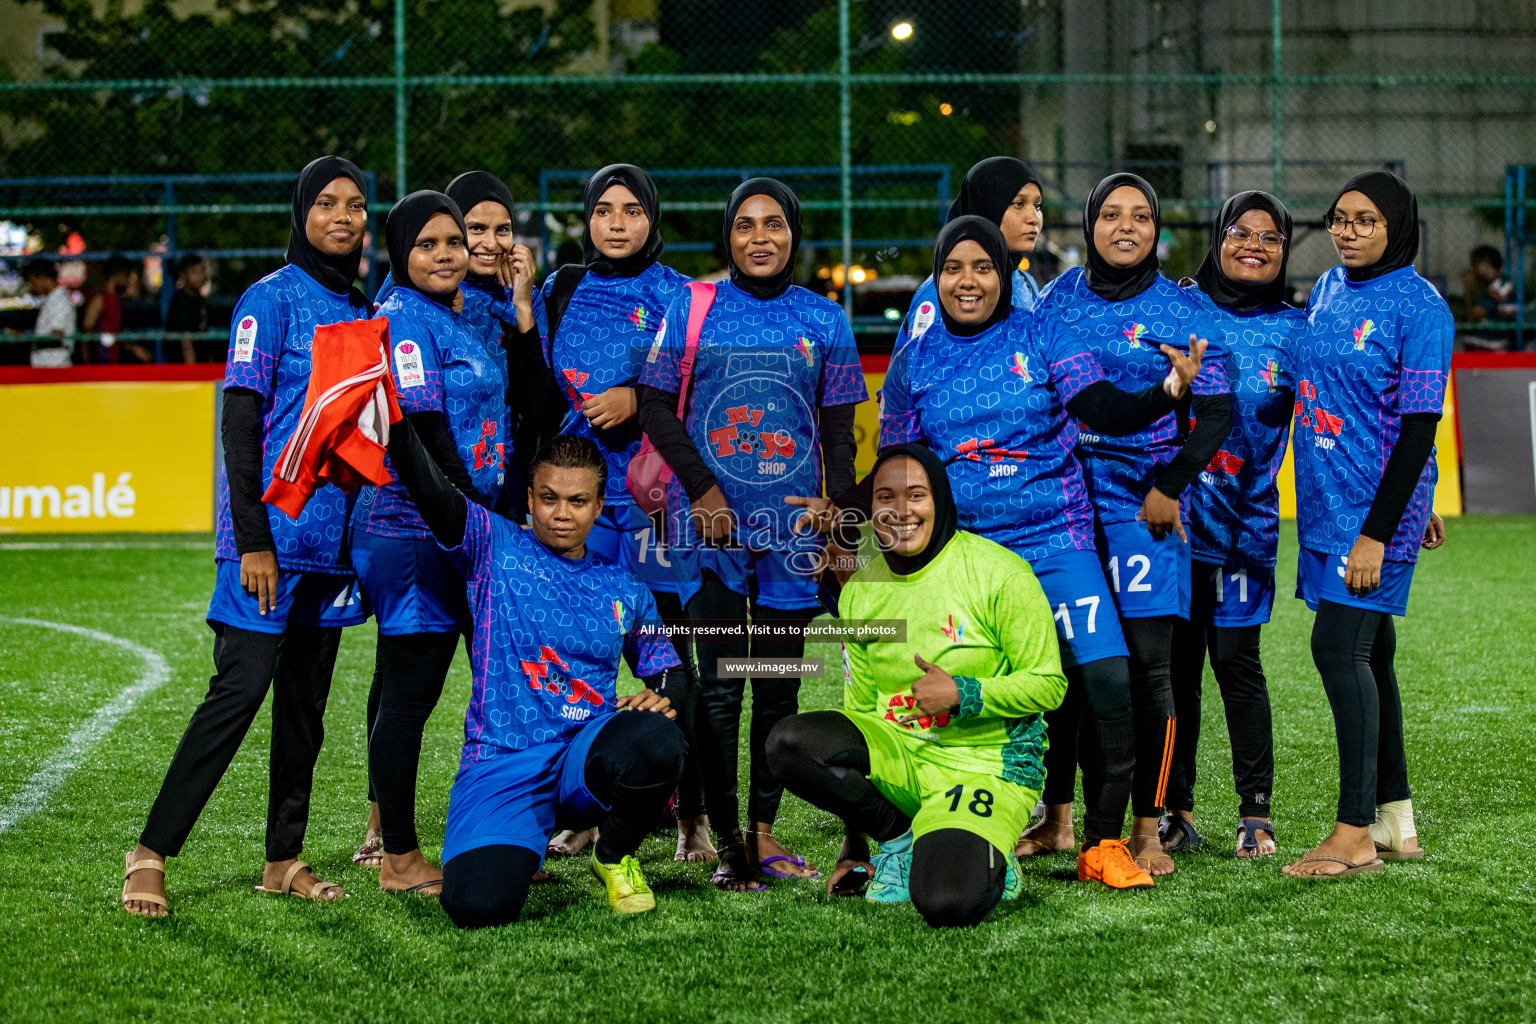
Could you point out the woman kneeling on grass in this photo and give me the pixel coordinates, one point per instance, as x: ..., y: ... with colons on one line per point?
x: 942, y: 770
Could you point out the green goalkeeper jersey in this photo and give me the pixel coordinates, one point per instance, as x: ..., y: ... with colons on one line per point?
x: 977, y: 612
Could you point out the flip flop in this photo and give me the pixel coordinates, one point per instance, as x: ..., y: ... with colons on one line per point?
x: 1248, y: 831
x: 726, y: 873
x: 794, y: 859
x: 1370, y: 868
x: 372, y: 847
x: 1387, y: 853
x: 1176, y: 832
x: 419, y: 886
x: 312, y: 893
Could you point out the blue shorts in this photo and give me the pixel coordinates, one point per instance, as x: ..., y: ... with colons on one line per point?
x: 1232, y: 595
x: 412, y: 584
x: 625, y: 536
x: 1086, y: 621
x: 308, y: 598
x: 781, y: 580
x: 1320, y: 577
x: 1150, y: 577
x: 521, y: 798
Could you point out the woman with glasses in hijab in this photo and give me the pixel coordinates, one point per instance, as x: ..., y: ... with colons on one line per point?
x: 936, y: 751
x: 606, y: 313
x: 1112, y: 321
x: 1234, y: 526
x: 451, y: 387
x: 769, y: 416
x: 1005, y: 191
x: 282, y: 586
x: 1370, y: 374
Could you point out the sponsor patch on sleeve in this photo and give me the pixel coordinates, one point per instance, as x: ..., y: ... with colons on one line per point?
x: 408, y: 369
x: 661, y: 336
x: 923, y: 318
x: 245, y: 340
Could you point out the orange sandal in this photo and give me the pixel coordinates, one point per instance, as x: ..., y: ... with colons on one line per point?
x: 147, y: 864
x: 312, y: 893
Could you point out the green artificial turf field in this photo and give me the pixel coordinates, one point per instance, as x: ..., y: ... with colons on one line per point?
x: 1450, y: 938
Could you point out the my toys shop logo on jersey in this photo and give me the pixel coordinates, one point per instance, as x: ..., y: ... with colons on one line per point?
x: 1002, y: 461
x: 1325, y: 425
x: 552, y: 675
x: 755, y: 423
x: 488, y: 451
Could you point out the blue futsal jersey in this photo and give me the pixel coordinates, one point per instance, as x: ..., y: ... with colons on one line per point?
x: 1089, y: 339
x: 548, y: 635
x: 270, y: 336
x: 987, y: 406
x: 923, y: 311
x: 441, y: 364
x: 763, y: 371
x: 1372, y: 353
x: 1235, y: 505
x: 602, y: 341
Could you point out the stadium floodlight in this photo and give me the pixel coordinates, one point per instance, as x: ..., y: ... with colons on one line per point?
x: 901, y: 31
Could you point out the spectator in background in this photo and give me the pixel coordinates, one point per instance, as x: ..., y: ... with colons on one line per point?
x: 103, y: 315
x: 56, y: 318
x: 188, y: 313
x: 1489, y: 296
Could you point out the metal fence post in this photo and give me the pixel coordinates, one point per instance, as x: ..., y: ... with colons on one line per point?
x: 845, y: 150
x: 400, y: 99
x: 1277, y: 102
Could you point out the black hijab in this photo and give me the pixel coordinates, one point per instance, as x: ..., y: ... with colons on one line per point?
x: 985, y: 234
x: 1244, y: 296
x: 640, y: 183
x: 988, y: 189
x: 1397, y: 204
x: 406, y: 220
x: 778, y: 284
x: 1106, y: 280
x: 467, y: 191
x: 335, y: 273
x: 946, y: 516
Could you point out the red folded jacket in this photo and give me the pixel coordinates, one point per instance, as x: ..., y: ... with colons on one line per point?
x: 343, y: 432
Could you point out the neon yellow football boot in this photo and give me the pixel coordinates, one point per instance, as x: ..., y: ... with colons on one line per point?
x: 627, y: 890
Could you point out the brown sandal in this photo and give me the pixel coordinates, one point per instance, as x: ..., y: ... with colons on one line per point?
x: 147, y: 864
x: 1040, y: 849
x: 314, y: 891
x: 372, y: 847
x: 1146, y: 859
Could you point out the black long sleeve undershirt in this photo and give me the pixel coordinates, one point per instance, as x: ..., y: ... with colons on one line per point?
x: 442, y: 506
x: 533, y: 394
x: 658, y: 418
x: 1415, y: 444
x: 838, y: 447
x: 1213, y: 422
x: 437, y: 438
x: 240, y: 428
x: 1107, y: 410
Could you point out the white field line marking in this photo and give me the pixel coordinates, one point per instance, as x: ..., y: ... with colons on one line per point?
x: 47, y: 779
x: 105, y: 545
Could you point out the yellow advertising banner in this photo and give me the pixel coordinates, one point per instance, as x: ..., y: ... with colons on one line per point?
x: 866, y: 431
x: 107, y: 457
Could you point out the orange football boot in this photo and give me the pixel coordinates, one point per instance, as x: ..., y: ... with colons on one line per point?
x: 1110, y: 862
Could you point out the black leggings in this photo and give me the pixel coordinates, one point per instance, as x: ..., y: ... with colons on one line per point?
x: 1151, y: 645
x: 957, y: 877
x: 1103, y: 740
x: 297, y: 666
x: 1234, y: 652
x: 1353, y: 649
x: 719, y: 725
x: 681, y: 686
x: 409, y: 672
x: 632, y: 766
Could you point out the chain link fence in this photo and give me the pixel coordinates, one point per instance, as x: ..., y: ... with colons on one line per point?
x: 873, y: 108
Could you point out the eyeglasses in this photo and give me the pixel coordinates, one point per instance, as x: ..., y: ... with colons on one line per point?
x: 1364, y: 226
x: 1269, y: 241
